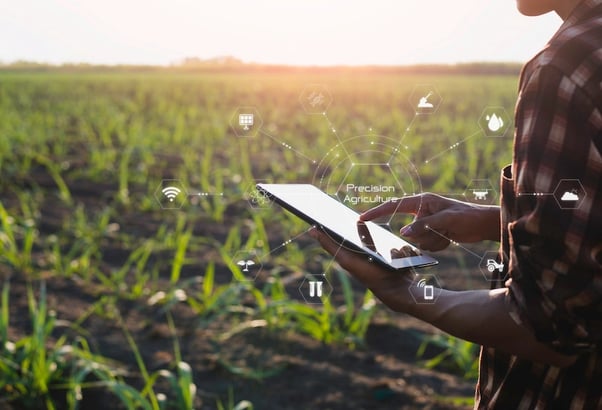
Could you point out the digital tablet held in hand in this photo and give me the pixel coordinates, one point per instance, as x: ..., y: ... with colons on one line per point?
x: 341, y: 222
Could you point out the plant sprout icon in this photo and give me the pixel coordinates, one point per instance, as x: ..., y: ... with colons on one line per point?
x: 246, y: 264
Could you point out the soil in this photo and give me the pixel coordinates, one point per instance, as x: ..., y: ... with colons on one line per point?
x: 273, y: 370
x: 307, y: 374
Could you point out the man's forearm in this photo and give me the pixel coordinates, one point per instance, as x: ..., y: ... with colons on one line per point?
x: 482, y: 317
x: 489, y: 221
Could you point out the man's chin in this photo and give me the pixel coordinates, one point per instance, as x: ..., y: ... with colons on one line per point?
x: 531, y: 9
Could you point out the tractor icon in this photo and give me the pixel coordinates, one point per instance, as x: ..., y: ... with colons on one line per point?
x: 493, y: 265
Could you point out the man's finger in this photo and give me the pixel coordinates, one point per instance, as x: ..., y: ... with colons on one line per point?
x: 404, y: 252
x: 405, y: 205
x: 438, y: 223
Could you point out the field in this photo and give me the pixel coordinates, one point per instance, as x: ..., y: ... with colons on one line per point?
x: 113, y: 295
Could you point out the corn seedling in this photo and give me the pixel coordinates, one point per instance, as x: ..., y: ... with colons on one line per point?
x: 16, y: 241
x: 457, y: 355
x: 229, y: 405
x: 31, y: 373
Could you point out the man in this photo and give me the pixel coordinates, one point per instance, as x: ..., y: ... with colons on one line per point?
x: 541, y: 329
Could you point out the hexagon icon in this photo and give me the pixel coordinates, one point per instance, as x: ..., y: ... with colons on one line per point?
x: 314, y: 288
x: 171, y: 194
x: 246, y: 122
x: 425, y: 99
x: 315, y: 98
x: 257, y: 199
x: 481, y: 191
x: 569, y: 194
x: 492, y: 267
x: 494, y: 121
x: 425, y: 288
x: 249, y: 264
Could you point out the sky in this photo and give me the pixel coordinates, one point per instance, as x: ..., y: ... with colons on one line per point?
x: 300, y: 32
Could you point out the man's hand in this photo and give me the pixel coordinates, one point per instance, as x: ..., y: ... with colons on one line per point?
x: 467, y: 315
x: 391, y: 287
x: 439, y: 220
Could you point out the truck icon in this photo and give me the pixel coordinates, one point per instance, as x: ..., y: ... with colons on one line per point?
x: 493, y: 265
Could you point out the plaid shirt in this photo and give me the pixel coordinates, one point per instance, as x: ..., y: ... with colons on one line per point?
x: 552, y: 243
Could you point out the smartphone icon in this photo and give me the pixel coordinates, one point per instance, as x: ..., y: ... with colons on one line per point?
x: 429, y: 292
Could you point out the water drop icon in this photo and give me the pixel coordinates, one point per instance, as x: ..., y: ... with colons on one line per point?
x: 494, y: 123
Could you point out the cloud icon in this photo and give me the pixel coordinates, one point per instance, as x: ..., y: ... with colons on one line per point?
x: 569, y: 196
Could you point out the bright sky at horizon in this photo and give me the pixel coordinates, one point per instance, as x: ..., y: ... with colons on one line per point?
x: 300, y: 32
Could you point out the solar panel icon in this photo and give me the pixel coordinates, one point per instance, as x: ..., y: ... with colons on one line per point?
x: 245, y: 121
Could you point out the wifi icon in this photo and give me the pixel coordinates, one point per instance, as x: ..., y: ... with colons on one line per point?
x: 171, y: 192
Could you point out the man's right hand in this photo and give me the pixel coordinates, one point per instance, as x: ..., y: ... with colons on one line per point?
x: 439, y: 220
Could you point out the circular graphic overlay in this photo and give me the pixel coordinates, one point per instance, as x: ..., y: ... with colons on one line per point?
x: 367, y: 170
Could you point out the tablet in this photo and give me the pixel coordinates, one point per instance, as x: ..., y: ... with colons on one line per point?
x: 341, y: 222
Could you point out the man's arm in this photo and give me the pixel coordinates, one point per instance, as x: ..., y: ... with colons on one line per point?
x: 479, y: 316
x: 482, y: 317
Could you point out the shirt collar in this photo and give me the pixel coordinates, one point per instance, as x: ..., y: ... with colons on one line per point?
x: 581, y: 12
x: 584, y: 10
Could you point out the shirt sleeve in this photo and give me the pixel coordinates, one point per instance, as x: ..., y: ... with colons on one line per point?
x: 555, y: 252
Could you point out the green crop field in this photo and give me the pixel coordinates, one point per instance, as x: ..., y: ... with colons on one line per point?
x: 111, y: 293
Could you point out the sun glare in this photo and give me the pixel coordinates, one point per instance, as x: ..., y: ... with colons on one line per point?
x: 300, y: 32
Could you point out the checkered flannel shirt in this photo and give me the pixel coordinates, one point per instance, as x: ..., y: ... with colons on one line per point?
x: 553, y: 252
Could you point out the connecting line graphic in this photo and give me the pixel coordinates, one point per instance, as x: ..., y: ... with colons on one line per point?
x: 399, y: 146
x: 285, y: 243
x: 334, y: 130
x: 334, y: 257
x: 535, y: 194
x: 454, y: 146
x: 287, y: 146
x: 452, y: 241
x: 332, y: 164
x: 205, y: 194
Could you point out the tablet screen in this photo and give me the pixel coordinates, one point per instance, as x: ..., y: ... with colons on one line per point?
x: 318, y: 208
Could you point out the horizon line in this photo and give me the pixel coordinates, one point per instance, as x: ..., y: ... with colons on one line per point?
x: 233, y: 63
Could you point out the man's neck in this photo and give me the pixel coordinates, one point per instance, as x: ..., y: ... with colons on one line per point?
x: 565, y: 8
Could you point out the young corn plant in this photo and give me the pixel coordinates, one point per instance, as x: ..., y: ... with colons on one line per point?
x: 182, y: 390
x: 355, y: 322
x: 16, y: 241
x: 180, y: 255
x: 180, y: 382
x: 137, y: 263
x: 214, y: 300
x: 34, y: 375
x: 229, y: 405
x: 457, y: 355
x: 124, y: 164
x: 78, y: 252
x: 327, y: 323
x: 55, y: 171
